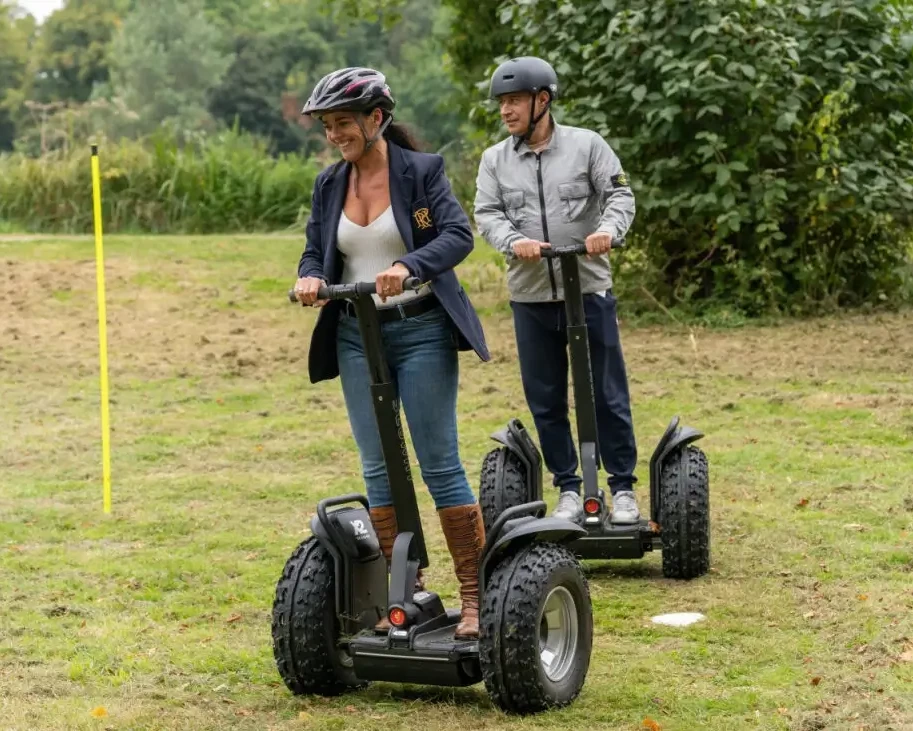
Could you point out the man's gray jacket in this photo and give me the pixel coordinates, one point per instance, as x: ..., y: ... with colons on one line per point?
x: 571, y: 189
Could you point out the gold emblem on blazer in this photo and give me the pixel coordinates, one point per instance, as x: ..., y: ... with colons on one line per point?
x: 422, y: 218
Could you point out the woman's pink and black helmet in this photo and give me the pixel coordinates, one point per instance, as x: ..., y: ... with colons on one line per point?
x: 355, y: 89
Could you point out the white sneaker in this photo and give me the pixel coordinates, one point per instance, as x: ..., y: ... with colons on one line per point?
x: 570, y: 507
x: 624, y: 508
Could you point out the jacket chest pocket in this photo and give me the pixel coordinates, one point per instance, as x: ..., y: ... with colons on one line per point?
x: 575, y: 198
x: 514, y: 201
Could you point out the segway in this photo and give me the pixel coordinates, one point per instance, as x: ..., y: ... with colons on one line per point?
x: 535, y: 617
x: 679, y: 523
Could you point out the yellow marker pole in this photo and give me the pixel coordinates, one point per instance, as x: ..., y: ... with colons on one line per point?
x: 102, y: 334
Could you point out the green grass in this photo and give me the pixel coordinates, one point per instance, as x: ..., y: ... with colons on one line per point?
x: 159, y: 613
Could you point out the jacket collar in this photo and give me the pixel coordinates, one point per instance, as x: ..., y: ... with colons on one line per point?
x: 401, y: 187
x: 553, y: 141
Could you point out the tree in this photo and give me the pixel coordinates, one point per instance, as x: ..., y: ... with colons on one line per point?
x: 252, y: 90
x: 16, y: 35
x: 164, y: 61
x: 73, y: 49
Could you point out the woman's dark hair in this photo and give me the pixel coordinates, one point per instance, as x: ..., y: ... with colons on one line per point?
x: 400, y: 134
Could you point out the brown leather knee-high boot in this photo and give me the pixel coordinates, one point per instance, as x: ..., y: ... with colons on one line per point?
x: 384, y: 522
x: 465, y: 534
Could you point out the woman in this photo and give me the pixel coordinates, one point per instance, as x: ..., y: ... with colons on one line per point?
x: 384, y: 213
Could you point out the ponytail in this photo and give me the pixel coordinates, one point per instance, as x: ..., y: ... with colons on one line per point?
x: 401, y: 135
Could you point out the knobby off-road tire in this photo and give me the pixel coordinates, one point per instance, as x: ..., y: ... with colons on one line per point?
x: 685, y: 514
x: 511, y: 624
x: 305, y: 627
x: 512, y: 491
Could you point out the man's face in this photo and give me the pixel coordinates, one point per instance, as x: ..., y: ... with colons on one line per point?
x: 516, y: 109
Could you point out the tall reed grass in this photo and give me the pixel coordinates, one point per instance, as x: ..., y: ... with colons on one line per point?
x: 224, y: 183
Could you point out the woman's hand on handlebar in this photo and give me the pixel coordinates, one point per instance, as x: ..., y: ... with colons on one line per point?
x: 306, y: 291
x: 389, y: 282
x: 598, y: 243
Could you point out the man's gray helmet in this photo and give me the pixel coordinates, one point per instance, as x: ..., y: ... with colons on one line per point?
x: 525, y: 74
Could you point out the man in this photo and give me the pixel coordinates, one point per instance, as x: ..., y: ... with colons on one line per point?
x: 554, y: 184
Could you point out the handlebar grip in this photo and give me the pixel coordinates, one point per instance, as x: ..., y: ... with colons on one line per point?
x: 579, y: 249
x: 555, y: 252
x: 357, y: 289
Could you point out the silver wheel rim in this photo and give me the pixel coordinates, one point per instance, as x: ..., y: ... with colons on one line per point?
x: 558, y: 634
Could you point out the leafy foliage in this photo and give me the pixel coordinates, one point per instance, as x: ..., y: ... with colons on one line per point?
x: 769, y: 142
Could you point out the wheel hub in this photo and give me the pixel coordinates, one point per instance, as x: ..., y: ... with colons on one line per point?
x: 558, y: 634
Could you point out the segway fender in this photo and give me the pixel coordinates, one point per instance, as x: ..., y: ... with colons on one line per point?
x: 674, y: 438
x: 520, y: 532
x: 517, y: 440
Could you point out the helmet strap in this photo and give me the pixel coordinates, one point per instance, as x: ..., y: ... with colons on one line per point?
x: 534, y: 120
x: 370, y: 141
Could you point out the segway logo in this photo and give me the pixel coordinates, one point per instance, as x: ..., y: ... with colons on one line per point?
x: 422, y: 218
x: 359, y: 527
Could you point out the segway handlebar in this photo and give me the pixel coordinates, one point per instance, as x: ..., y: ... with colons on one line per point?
x: 553, y: 252
x: 355, y: 290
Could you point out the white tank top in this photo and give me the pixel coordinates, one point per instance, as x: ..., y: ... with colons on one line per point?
x: 369, y: 250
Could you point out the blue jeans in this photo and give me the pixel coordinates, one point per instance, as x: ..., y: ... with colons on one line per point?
x: 542, y: 347
x: 423, y: 358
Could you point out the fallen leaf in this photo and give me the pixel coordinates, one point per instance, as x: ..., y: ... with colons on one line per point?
x: 802, y: 503
x: 652, y: 725
x: 100, y: 712
x: 816, y: 680
x: 233, y: 618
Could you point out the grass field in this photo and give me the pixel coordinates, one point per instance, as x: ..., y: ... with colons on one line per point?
x: 157, y: 616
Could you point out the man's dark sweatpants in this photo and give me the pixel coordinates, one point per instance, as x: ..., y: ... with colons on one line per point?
x: 541, y: 330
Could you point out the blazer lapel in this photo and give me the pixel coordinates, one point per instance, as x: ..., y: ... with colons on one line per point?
x: 336, y: 195
x: 401, y: 186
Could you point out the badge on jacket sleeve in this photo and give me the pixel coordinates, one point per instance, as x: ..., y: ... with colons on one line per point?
x: 422, y: 218
x: 620, y: 180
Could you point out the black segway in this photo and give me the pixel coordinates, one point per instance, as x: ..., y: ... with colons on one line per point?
x: 535, y: 617
x: 679, y: 522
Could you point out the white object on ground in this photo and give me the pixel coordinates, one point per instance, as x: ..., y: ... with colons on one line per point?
x: 678, y: 619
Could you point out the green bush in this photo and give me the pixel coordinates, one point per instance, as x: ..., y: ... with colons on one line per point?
x: 223, y: 183
x: 769, y: 142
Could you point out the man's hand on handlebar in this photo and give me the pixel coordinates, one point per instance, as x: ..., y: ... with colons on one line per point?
x: 306, y: 291
x: 598, y: 244
x: 528, y: 249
